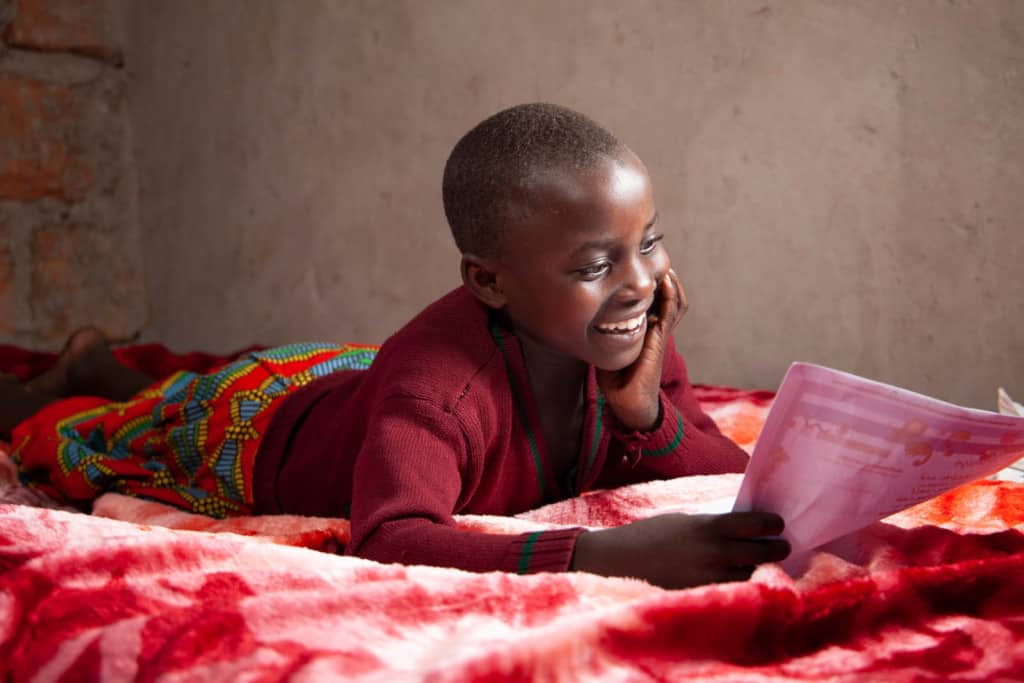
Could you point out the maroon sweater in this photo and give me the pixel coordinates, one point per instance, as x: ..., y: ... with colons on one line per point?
x: 444, y: 423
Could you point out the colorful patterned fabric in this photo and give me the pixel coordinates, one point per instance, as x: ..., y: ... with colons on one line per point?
x: 189, y: 440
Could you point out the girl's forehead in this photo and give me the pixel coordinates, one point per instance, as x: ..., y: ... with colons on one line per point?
x: 614, y: 190
x: 567, y: 211
x: 608, y: 179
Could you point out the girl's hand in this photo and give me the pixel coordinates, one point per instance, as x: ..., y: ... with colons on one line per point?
x: 677, y: 551
x: 633, y: 391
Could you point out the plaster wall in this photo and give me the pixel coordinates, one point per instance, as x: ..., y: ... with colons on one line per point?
x: 839, y: 182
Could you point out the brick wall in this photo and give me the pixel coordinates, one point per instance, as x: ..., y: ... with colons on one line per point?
x: 69, y: 237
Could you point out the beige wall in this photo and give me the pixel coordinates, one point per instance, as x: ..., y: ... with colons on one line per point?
x: 840, y: 182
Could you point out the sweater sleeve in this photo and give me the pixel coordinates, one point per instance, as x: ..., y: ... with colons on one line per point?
x: 685, y: 442
x: 408, y: 482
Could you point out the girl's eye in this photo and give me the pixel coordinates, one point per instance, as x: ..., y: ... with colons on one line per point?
x: 649, y: 244
x: 593, y: 272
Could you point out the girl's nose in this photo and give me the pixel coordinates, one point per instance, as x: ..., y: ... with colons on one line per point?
x: 639, y: 281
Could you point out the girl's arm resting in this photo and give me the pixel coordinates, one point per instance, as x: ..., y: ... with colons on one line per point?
x: 421, y: 541
x: 409, y: 480
x: 685, y: 440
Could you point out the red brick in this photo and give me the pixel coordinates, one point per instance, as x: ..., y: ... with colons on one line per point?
x: 6, y: 284
x: 62, y: 25
x: 37, y: 156
x: 79, y: 275
x: 53, y: 279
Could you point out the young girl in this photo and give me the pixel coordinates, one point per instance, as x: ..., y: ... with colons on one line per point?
x: 551, y: 371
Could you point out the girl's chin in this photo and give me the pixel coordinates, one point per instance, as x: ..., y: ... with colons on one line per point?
x: 615, y: 351
x: 618, y: 363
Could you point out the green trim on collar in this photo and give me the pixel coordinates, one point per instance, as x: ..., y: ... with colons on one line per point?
x: 672, y: 446
x: 526, y: 552
x: 517, y: 400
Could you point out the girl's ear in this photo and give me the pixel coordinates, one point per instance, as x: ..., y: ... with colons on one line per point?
x: 480, y: 278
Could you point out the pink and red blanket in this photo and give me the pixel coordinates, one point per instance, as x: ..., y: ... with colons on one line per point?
x: 140, y: 591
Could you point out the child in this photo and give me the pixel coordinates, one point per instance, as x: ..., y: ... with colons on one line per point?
x: 550, y: 372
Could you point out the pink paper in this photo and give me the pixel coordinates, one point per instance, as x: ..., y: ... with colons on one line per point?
x: 839, y: 452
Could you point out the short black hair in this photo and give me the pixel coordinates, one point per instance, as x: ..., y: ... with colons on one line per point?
x: 492, y: 165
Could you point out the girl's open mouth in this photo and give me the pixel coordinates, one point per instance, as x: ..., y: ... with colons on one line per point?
x: 626, y: 327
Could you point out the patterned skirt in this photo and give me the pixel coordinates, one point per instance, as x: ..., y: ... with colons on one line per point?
x: 189, y: 441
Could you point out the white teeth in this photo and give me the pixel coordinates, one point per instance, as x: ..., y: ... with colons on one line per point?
x: 624, y: 326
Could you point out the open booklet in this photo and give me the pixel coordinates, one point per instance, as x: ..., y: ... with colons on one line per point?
x: 839, y: 452
x: 1007, y: 406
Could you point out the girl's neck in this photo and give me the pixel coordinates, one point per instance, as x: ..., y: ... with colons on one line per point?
x: 552, y: 374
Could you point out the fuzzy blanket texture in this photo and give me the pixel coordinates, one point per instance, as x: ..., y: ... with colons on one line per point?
x: 140, y: 591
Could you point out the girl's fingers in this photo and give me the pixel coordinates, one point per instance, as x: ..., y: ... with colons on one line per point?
x: 745, y: 553
x: 736, y: 574
x: 670, y: 304
x: 739, y: 525
x: 668, y: 295
x: 679, y: 304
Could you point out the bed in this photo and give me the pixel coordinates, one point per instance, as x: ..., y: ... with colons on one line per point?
x: 140, y: 591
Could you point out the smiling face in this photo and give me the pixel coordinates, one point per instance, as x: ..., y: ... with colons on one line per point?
x: 577, y: 275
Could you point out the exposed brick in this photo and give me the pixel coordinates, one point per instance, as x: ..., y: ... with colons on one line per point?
x: 6, y: 15
x: 53, y: 290
x: 80, y: 275
x: 6, y: 283
x: 63, y: 25
x: 37, y: 156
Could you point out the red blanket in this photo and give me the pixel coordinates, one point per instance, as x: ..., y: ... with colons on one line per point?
x: 139, y: 590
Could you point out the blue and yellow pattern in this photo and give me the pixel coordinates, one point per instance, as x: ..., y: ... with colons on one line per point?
x: 189, y: 440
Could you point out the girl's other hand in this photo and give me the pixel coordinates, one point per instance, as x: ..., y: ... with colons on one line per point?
x: 633, y: 391
x: 677, y: 551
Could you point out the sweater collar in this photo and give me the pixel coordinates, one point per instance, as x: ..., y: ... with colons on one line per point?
x: 586, y: 466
